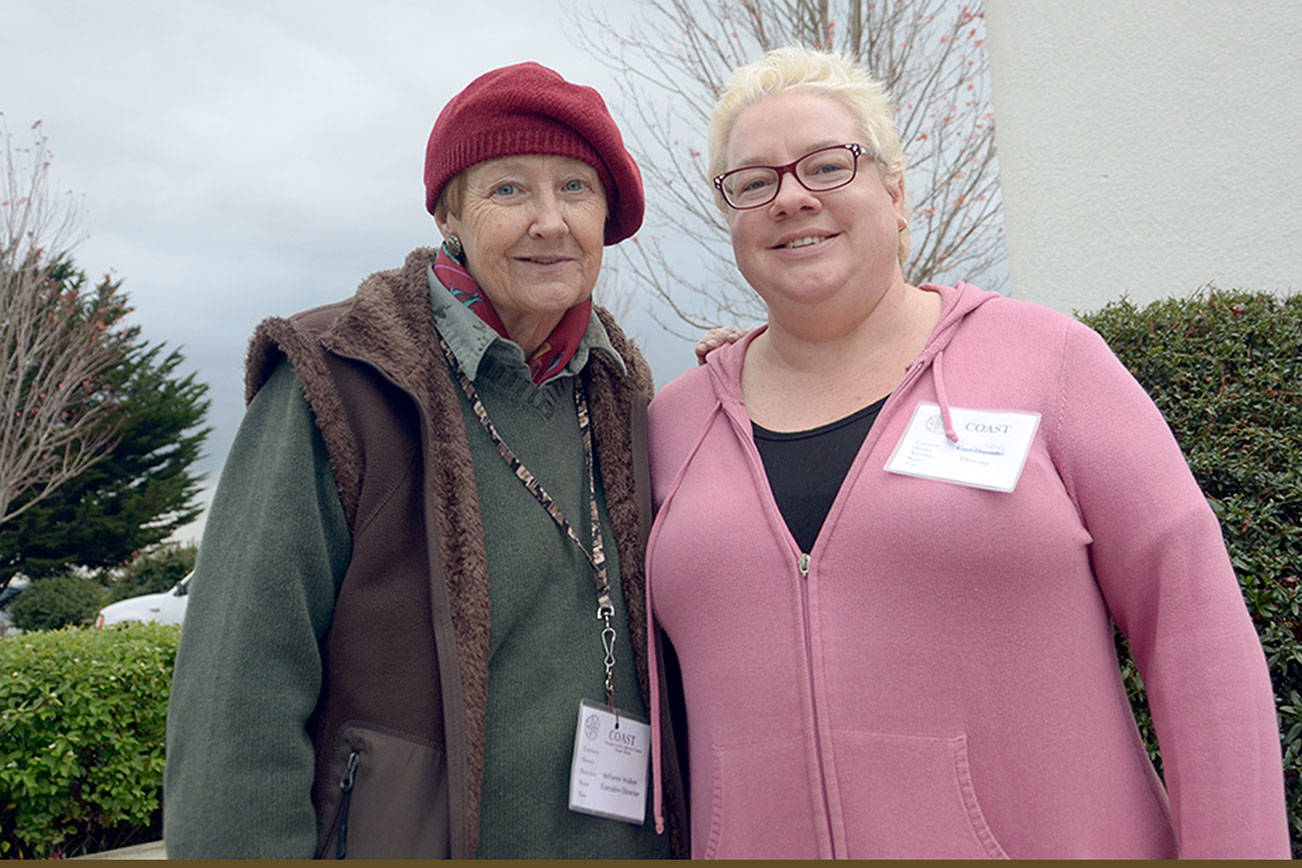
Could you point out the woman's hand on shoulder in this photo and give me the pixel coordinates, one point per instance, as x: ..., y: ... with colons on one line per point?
x: 716, y: 337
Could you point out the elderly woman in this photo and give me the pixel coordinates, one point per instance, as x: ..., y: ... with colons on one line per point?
x: 895, y: 528
x: 391, y: 649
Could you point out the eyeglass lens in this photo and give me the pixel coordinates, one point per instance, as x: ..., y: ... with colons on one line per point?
x: 824, y: 169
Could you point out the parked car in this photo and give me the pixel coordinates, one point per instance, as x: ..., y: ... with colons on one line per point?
x: 7, y: 597
x: 8, y: 594
x: 165, y: 608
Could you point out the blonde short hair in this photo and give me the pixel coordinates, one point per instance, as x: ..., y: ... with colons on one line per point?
x: 825, y: 73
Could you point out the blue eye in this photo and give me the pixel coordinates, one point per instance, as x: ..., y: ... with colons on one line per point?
x: 573, y: 186
x: 506, y: 190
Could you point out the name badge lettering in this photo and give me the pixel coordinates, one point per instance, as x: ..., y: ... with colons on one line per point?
x: 608, y: 774
x: 990, y: 453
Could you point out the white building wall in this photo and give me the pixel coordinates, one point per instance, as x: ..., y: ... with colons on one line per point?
x: 1148, y: 147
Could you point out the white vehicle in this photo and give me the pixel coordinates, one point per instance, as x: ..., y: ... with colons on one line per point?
x: 16, y: 586
x: 165, y: 608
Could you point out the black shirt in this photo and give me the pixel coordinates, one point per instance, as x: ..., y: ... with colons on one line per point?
x: 806, y: 468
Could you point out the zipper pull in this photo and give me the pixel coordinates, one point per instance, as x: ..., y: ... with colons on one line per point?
x: 804, y: 565
x: 345, y: 784
x: 350, y: 773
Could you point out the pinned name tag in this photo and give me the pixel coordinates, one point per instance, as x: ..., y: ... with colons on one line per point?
x: 990, y: 453
x: 608, y: 774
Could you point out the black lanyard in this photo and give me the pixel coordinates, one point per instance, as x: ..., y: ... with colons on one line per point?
x: 597, y: 556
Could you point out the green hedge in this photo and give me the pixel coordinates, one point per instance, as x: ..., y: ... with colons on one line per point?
x: 82, y: 721
x: 1225, y: 368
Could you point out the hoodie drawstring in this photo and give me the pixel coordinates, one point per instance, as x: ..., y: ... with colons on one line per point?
x: 653, y: 673
x: 942, y: 397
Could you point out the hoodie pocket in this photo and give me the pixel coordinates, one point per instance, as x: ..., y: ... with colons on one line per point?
x: 748, y: 781
x: 910, y: 797
x: 390, y: 797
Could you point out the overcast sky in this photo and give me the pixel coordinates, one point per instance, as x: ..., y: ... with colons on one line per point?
x: 246, y: 159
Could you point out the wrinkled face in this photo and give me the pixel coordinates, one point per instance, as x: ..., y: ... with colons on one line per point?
x: 805, y: 247
x: 532, y: 228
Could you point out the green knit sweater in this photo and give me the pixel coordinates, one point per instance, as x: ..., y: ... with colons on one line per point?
x: 545, y: 639
x: 280, y: 504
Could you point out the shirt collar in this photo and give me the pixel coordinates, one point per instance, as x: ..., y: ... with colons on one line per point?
x: 472, y: 340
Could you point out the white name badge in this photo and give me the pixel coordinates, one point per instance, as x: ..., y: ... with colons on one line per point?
x: 990, y: 453
x: 608, y: 774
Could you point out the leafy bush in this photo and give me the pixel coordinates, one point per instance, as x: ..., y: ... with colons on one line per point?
x: 1225, y: 368
x: 58, y: 601
x: 155, y: 571
x: 82, y: 720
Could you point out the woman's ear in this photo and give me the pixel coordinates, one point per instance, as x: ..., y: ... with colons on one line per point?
x: 896, y: 192
x: 443, y: 219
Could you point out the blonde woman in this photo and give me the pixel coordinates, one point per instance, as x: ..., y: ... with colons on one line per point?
x: 895, y: 527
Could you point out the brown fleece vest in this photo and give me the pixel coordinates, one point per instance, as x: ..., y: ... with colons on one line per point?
x: 407, y: 651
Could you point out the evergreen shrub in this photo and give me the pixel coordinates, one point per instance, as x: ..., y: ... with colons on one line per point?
x: 48, y: 604
x: 82, y: 722
x: 1225, y: 368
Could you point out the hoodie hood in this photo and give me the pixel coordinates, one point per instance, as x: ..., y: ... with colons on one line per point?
x: 958, y: 301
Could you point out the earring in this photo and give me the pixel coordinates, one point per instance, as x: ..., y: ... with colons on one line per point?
x: 453, y: 245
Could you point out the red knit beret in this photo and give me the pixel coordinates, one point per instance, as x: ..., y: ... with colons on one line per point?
x: 527, y: 108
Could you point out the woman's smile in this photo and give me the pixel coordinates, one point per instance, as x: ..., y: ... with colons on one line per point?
x: 804, y: 241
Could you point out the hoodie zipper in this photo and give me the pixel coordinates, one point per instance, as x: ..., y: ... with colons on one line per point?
x: 803, y: 564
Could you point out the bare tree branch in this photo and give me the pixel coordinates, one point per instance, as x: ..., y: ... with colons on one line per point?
x: 671, y: 63
x: 55, y: 419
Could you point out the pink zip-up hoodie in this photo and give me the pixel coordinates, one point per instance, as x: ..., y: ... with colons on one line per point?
x: 937, y: 676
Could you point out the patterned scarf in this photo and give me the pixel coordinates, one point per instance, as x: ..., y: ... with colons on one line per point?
x: 553, y: 354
